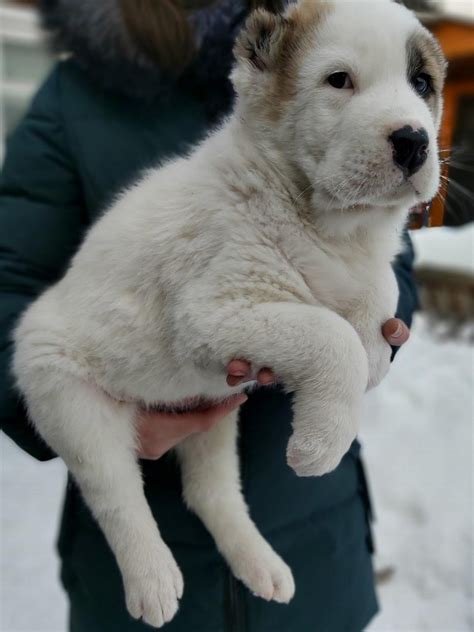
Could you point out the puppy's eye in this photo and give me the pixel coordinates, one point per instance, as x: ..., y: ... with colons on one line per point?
x: 423, y: 84
x: 340, y: 80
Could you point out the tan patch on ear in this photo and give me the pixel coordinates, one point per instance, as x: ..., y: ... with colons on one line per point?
x: 261, y: 39
x: 300, y: 36
x: 307, y: 13
x: 435, y: 61
x: 277, y: 44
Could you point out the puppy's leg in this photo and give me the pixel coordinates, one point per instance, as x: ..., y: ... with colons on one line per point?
x: 211, y: 485
x: 374, y: 307
x: 315, y: 353
x: 96, y: 438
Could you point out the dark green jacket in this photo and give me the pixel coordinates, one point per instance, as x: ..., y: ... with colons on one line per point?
x: 74, y: 150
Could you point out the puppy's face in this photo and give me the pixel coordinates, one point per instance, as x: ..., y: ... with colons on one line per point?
x: 351, y: 92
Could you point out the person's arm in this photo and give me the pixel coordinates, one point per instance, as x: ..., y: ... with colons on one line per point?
x: 40, y: 228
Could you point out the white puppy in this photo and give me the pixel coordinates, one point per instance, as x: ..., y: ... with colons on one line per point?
x: 272, y: 241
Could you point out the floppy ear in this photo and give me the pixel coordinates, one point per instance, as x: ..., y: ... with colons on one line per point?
x: 261, y: 39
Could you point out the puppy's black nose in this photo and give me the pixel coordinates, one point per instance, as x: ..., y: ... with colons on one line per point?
x: 410, y: 149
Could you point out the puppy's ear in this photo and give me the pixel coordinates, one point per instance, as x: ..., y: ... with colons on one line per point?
x: 262, y: 39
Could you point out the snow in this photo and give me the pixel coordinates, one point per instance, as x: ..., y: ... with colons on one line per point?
x: 417, y: 438
x: 31, y: 597
x: 444, y: 247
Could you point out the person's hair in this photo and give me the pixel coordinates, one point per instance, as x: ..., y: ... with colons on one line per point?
x: 161, y: 30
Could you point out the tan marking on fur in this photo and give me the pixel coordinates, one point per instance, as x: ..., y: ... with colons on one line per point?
x: 434, y: 63
x: 307, y: 13
x: 300, y: 36
x: 188, y: 233
x: 262, y: 39
x: 289, y: 38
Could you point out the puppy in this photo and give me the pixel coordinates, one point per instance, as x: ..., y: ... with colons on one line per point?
x: 272, y: 242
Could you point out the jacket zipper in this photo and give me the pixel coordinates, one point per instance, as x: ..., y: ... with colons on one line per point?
x: 235, y: 611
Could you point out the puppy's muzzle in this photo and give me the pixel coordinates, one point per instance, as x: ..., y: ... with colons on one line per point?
x: 410, y: 149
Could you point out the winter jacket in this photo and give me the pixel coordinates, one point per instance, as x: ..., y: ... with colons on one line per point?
x: 83, y: 139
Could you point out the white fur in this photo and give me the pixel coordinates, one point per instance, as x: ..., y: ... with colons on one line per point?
x: 220, y: 255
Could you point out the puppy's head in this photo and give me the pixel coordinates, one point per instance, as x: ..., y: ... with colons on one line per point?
x: 351, y: 92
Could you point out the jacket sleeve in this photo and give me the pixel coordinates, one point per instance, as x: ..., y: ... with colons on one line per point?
x: 40, y: 228
x: 403, y: 267
x: 408, y: 297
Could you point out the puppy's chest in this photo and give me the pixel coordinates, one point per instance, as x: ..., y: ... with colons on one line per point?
x: 336, y: 277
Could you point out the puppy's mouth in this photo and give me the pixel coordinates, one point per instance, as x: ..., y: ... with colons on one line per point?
x: 404, y: 193
x: 423, y: 204
x: 388, y: 198
x: 374, y: 192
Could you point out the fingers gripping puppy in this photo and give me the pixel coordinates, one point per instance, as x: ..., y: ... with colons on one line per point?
x: 272, y: 241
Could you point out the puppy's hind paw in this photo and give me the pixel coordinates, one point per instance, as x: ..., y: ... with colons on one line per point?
x: 265, y: 574
x: 153, y: 595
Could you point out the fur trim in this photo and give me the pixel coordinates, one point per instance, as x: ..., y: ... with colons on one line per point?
x: 97, y: 38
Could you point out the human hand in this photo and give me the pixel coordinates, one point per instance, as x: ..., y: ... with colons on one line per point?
x: 240, y: 371
x: 159, y: 432
x: 379, y: 350
x: 395, y: 332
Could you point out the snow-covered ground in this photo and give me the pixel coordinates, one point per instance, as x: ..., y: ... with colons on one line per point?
x: 445, y: 248
x: 417, y: 440
x: 31, y: 495
x: 418, y: 444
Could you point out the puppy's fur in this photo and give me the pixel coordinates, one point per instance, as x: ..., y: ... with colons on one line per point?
x: 272, y: 242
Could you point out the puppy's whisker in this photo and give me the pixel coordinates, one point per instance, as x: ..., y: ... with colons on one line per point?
x: 460, y: 188
x: 440, y: 196
x: 458, y: 200
x: 298, y: 197
x: 460, y: 166
x: 347, y: 181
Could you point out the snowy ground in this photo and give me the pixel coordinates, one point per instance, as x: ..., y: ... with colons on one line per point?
x: 418, y: 444
x: 445, y: 248
x: 31, y: 493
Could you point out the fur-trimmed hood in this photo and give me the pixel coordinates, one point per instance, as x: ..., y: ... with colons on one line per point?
x: 94, y: 33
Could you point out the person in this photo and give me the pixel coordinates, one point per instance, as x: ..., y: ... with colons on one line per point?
x: 143, y: 81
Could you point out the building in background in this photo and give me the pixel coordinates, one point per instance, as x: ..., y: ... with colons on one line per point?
x: 24, y: 61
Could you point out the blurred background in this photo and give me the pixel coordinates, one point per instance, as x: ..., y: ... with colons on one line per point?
x: 417, y: 437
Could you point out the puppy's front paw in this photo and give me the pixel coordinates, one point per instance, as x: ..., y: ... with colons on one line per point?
x: 153, y: 591
x: 317, y: 448
x: 307, y: 458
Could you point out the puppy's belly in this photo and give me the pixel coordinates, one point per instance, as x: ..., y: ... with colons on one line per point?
x: 185, y: 387
x: 134, y: 362
x: 160, y: 384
